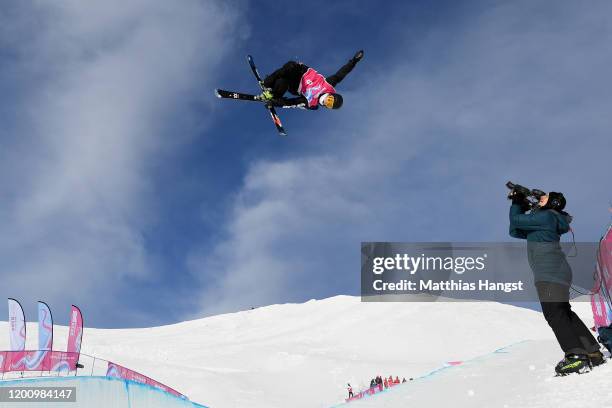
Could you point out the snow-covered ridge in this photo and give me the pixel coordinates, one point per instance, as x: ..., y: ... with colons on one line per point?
x: 302, y: 355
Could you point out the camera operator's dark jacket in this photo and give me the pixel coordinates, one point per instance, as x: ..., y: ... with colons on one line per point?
x: 543, y: 229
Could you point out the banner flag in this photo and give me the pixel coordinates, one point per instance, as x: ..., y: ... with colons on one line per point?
x: 45, y: 327
x: 75, y: 332
x: 601, y: 299
x: 17, y: 326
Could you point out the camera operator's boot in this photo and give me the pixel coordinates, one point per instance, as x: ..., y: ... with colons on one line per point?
x: 573, y: 363
x: 596, y: 358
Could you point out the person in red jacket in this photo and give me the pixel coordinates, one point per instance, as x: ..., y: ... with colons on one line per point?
x: 397, y: 381
x: 311, y: 88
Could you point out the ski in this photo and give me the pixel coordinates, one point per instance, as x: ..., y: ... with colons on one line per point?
x: 236, y: 95
x: 223, y: 94
x: 273, y: 114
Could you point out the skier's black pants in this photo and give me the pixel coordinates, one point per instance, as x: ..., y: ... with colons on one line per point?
x: 279, y: 87
x: 335, y: 79
x: 286, y: 78
x: 571, y: 333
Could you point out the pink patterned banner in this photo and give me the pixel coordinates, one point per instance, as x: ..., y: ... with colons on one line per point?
x: 75, y: 332
x: 601, y: 298
x: 117, y: 371
x: 37, y: 360
x: 605, y: 258
x: 63, y: 361
x: 600, y: 309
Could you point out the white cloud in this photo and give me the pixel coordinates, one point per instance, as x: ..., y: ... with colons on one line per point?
x: 422, y: 150
x: 99, y: 82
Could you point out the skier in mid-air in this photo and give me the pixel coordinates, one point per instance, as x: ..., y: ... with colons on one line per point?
x: 311, y: 88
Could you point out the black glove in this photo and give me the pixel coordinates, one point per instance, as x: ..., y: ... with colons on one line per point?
x: 520, y: 199
x: 357, y: 57
x: 517, y: 197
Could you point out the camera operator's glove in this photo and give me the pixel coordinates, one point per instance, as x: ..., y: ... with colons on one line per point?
x: 520, y: 199
x: 517, y: 197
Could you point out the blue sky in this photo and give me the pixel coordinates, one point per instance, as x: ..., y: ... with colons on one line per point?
x: 129, y: 190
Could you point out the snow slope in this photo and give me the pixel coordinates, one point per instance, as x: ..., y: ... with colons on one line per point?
x: 302, y: 355
x: 515, y: 377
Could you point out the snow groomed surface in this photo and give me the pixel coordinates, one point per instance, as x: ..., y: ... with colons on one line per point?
x: 446, y: 366
x: 98, y: 392
x: 518, y: 376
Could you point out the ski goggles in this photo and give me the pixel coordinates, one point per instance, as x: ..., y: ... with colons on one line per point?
x: 327, y: 100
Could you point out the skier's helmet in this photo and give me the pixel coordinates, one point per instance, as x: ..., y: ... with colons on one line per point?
x: 556, y: 201
x: 331, y: 100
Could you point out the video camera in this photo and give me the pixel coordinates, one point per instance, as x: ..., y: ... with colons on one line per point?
x: 532, y: 196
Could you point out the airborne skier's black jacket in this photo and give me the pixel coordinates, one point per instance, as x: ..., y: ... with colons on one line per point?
x: 288, y: 77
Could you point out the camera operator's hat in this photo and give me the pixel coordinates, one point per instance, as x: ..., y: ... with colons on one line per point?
x: 556, y: 201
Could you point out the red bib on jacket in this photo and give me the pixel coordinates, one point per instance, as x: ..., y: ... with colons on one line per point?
x: 313, y: 85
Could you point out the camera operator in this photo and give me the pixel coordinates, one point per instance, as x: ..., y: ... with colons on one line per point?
x: 542, y: 227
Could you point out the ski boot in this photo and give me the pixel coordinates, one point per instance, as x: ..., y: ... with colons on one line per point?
x: 596, y: 358
x: 573, y: 363
x: 357, y: 57
x: 266, y: 95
